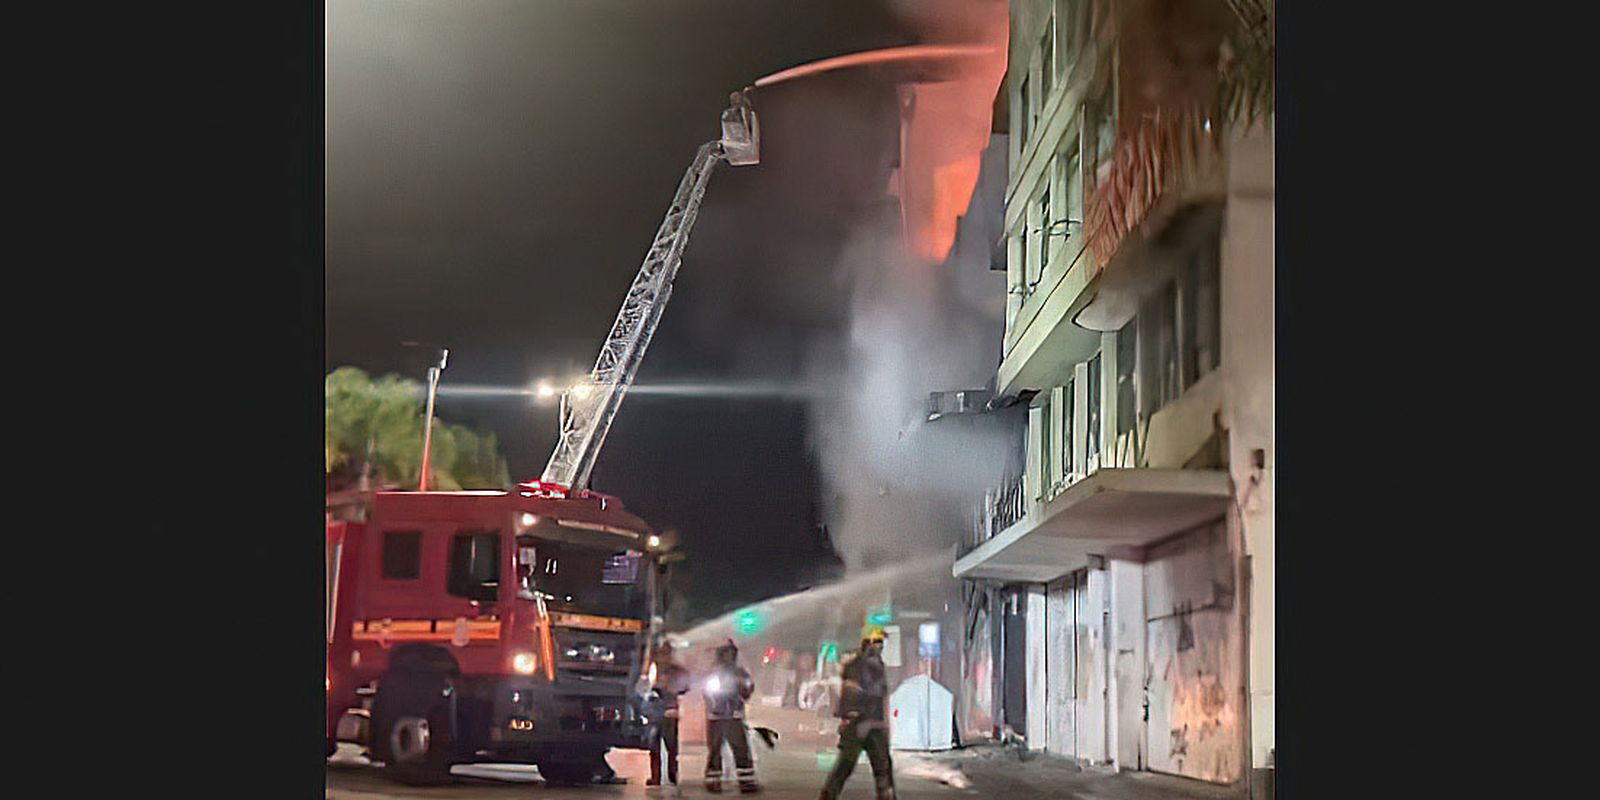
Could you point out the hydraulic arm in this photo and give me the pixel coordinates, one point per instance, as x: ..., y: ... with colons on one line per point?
x: 588, y: 408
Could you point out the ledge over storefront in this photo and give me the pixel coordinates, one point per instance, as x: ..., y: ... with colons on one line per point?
x: 1111, y: 508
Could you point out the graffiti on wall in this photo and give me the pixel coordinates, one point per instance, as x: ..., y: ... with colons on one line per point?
x: 1193, y: 662
x: 1194, y: 717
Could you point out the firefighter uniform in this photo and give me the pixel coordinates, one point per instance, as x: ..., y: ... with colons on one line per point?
x: 726, y: 689
x: 866, y: 691
x: 671, y: 680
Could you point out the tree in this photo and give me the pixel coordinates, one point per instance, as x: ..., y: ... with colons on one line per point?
x: 373, y: 429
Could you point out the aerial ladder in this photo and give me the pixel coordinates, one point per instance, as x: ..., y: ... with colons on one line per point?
x: 590, y: 405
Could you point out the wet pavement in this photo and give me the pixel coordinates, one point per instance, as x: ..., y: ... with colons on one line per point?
x: 795, y: 771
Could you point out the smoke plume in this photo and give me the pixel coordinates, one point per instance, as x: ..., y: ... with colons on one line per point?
x: 925, y: 314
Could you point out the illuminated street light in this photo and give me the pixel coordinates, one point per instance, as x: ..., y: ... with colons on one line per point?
x: 427, y: 430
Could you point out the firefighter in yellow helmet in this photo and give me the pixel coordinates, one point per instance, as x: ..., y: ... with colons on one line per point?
x: 863, y: 725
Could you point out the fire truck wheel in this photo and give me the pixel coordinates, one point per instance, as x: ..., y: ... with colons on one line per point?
x: 419, y: 748
x: 411, y: 731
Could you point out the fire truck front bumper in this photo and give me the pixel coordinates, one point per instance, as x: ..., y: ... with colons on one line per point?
x: 530, y: 715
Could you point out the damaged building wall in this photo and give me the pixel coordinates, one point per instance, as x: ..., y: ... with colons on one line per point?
x: 1194, y: 657
x: 1174, y: 672
x: 975, y: 701
x: 1089, y: 682
x: 1059, y: 668
x: 1127, y: 647
x: 1248, y: 354
x: 1072, y: 691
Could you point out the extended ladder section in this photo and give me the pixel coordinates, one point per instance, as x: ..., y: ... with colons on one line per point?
x: 588, y: 408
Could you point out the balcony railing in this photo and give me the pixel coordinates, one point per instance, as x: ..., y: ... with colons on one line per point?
x: 1002, y: 507
x: 1168, y: 150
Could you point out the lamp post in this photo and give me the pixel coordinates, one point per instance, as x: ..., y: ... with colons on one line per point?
x: 427, y: 428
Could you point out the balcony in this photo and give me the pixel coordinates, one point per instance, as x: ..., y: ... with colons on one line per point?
x: 1109, y: 508
x: 1002, y: 508
x: 1170, y: 159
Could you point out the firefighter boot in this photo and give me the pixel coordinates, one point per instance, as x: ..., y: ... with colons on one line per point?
x: 747, y: 781
x: 885, y: 786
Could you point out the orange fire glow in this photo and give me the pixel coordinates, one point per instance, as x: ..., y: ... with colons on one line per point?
x: 945, y: 123
x: 945, y: 127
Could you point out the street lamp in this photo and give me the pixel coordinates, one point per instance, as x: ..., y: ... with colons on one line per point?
x: 427, y: 427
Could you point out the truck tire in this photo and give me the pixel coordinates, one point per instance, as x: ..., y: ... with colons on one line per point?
x: 416, y: 746
x: 412, y: 726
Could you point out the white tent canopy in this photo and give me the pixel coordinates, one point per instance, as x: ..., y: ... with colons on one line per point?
x: 921, y: 713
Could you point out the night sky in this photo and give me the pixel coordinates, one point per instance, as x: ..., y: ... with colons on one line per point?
x: 496, y: 171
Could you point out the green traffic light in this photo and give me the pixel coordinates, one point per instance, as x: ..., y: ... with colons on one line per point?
x: 748, y: 622
x: 830, y: 652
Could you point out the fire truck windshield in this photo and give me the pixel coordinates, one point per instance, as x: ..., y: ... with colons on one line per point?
x: 589, y: 580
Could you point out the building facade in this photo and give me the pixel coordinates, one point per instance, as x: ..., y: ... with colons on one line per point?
x: 1119, y: 583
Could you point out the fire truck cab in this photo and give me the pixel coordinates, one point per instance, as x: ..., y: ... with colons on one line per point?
x: 489, y: 626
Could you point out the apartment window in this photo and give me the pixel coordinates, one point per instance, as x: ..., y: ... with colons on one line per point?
x: 1049, y: 462
x: 1073, y: 25
x: 402, y: 555
x: 1202, y: 312
x: 1035, y: 243
x: 1038, y: 424
x: 1099, y: 131
x: 475, y: 566
x: 1127, y: 386
x: 1069, y: 466
x: 1045, y: 221
x: 1071, y: 169
x: 1091, y: 450
x: 1024, y: 118
x: 1047, y: 60
x: 1016, y: 269
x: 1158, y: 350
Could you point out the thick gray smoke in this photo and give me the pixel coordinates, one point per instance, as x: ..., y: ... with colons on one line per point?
x: 897, y: 485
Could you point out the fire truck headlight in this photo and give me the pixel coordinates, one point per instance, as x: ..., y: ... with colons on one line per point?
x: 525, y: 663
x: 654, y: 541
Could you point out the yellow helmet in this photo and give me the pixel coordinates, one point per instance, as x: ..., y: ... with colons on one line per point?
x: 873, y: 634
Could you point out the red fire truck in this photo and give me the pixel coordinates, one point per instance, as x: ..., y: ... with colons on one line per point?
x: 512, y: 626
x: 490, y: 626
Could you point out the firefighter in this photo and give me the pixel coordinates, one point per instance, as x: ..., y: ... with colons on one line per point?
x: 671, y: 680
x: 862, y: 725
x: 726, y: 689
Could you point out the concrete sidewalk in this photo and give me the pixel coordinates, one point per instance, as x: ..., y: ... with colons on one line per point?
x: 995, y: 771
